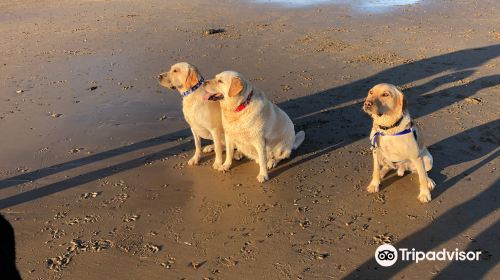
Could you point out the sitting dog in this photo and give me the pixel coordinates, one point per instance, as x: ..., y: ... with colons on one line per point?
x: 253, y: 125
x: 203, y: 117
x: 396, y: 141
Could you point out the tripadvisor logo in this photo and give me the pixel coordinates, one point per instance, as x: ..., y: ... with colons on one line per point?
x: 387, y: 255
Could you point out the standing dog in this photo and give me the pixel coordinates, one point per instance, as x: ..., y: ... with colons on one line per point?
x: 203, y: 117
x: 396, y: 141
x: 252, y: 124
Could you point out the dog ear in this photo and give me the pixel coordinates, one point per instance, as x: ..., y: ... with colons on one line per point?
x: 192, y: 78
x: 236, y: 87
x: 401, y: 101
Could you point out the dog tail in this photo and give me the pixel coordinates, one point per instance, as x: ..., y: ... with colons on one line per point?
x: 299, y: 138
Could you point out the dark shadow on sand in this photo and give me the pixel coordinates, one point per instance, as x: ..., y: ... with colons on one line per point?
x: 443, y: 228
x: 487, y: 244
x: 89, y: 177
x: 54, y: 169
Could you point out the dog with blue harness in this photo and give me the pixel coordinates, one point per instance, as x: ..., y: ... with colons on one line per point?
x: 203, y: 117
x: 395, y: 140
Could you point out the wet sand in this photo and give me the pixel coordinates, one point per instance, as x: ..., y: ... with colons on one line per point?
x: 93, y: 174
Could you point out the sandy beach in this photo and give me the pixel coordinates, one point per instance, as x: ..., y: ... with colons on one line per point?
x: 93, y: 151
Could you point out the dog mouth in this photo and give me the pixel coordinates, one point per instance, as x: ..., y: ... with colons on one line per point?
x: 365, y: 109
x: 166, y: 83
x: 372, y: 111
x: 368, y: 110
x: 216, y: 96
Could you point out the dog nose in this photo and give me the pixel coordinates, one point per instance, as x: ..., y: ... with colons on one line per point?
x: 159, y: 77
x: 368, y: 103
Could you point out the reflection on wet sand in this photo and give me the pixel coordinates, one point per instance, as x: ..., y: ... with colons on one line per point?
x: 361, y: 5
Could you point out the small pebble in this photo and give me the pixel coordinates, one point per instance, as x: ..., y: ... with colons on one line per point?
x: 474, y: 100
x: 197, y: 265
x: 212, y: 31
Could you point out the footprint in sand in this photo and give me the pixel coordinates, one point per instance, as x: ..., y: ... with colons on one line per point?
x: 90, y: 195
x: 85, y: 220
x: 383, y: 238
x: 77, y: 246
x: 130, y: 218
x: 152, y: 248
x: 169, y: 263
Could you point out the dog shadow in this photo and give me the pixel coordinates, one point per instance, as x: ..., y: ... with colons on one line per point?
x: 480, y: 142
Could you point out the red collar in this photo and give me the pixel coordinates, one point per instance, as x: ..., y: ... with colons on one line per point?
x: 245, y: 103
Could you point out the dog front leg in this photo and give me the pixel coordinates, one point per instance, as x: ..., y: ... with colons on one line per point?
x: 262, y: 160
x: 197, y: 153
x: 426, y: 183
x: 216, y: 136
x: 229, y: 154
x: 374, y: 184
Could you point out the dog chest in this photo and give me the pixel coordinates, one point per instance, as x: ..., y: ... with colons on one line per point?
x: 398, y: 148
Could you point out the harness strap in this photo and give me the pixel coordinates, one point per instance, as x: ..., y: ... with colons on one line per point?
x: 373, y: 141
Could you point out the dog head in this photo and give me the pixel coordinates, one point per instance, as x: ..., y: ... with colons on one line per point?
x: 229, y: 87
x: 181, y: 76
x: 384, y: 100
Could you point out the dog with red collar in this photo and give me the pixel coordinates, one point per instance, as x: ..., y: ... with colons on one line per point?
x: 253, y: 125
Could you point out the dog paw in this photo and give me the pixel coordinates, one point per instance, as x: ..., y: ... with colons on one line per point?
x: 237, y: 155
x: 262, y: 178
x: 424, y: 196
x: 217, y: 165
x: 194, y: 161
x: 401, y: 172
x: 224, y: 167
x: 208, y: 148
x: 430, y: 184
x: 372, y: 188
x: 271, y: 164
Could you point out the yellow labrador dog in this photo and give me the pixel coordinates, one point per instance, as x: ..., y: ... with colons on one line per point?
x: 203, y: 117
x: 253, y: 125
x: 396, y: 141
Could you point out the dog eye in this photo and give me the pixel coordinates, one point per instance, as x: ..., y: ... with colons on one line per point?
x: 219, y: 81
x: 370, y: 92
x: 385, y: 94
x: 175, y: 71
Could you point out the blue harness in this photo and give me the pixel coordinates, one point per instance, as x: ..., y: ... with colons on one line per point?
x: 373, y: 141
x: 194, y: 88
